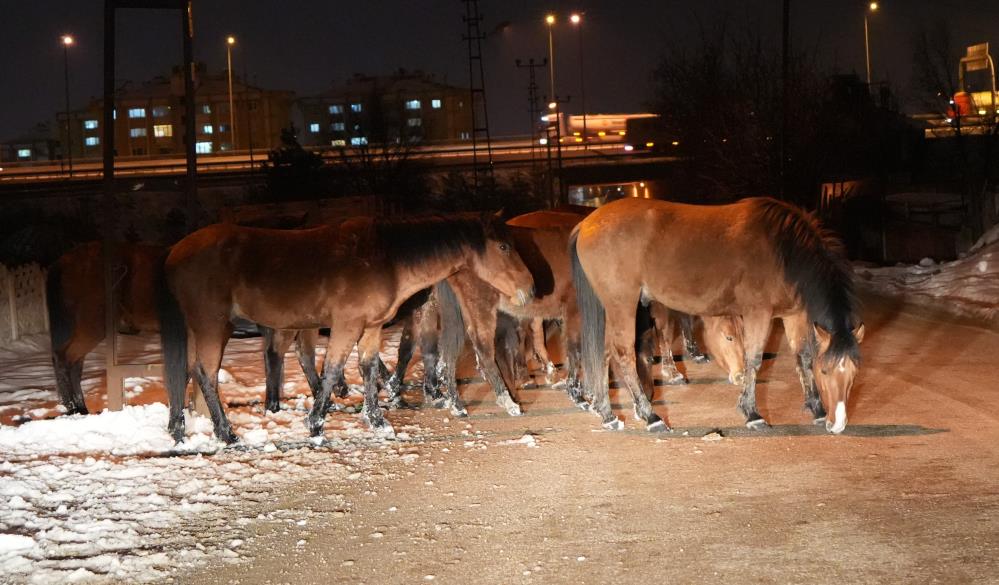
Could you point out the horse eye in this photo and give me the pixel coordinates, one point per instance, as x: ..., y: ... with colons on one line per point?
x: 728, y: 338
x: 824, y: 371
x: 504, y: 247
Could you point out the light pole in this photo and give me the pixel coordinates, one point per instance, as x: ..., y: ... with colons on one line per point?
x: 67, y: 41
x: 550, y: 21
x: 577, y: 20
x: 872, y: 7
x: 229, y: 42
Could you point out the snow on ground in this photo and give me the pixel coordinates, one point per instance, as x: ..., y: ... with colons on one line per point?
x: 968, y: 286
x: 109, y: 497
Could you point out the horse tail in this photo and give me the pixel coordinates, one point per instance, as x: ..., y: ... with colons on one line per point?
x: 452, y: 336
x: 592, y: 323
x: 173, y: 336
x: 60, y: 321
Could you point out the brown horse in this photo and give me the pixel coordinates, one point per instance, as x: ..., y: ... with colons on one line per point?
x: 757, y: 259
x: 722, y: 335
x: 75, y: 301
x: 352, y: 277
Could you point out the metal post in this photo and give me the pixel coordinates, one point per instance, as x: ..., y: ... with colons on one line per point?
x: 69, y: 123
x: 232, y: 112
x: 867, y: 52
x: 784, y: 96
x: 551, y: 62
x: 582, y: 84
x: 115, y: 392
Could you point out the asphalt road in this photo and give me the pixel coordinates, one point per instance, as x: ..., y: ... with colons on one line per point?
x: 909, y: 494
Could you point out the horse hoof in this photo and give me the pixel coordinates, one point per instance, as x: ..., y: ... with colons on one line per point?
x: 457, y: 409
x: 582, y: 405
x: 615, y: 424
x: 227, y: 436
x: 381, y: 429
x: 757, y: 424
x: 657, y: 426
x: 675, y: 379
x: 273, y: 407
x: 315, y: 427
x: 700, y: 358
x: 818, y: 421
x: 511, y: 407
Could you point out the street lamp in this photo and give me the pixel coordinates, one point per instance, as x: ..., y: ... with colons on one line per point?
x: 577, y: 20
x: 872, y: 8
x: 229, y: 42
x: 550, y: 21
x: 67, y: 41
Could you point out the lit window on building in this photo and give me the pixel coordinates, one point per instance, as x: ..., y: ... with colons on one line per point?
x: 206, y: 108
x: 162, y: 130
x: 358, y: 141
x: 338, y: 142
x: 336, y: 109
x: 435, y: 104
x: 207, y: 129
x: 413, y: 104
x: 161, y: 111
x: 203, y: 147
x: 464, y: 136
x: 337, y: 126
x: 114, y: 114
x: 137, y: 132
x: 355, y: 107
x: 23, y: 153
x: 92, y: 141
x: 90, y: 124
x: 137, y: 112
x: 314, y: 127
x: 413, y: 122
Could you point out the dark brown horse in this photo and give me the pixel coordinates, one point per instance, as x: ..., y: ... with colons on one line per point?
x: 352, y: 278
x: 75, y: 299
x: 757, y: 259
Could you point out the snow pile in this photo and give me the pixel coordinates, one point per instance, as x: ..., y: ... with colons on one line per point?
x: 968, y: 286
x: 103, y: 498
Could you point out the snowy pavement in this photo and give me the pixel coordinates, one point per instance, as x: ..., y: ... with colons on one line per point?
x: 110, y: 498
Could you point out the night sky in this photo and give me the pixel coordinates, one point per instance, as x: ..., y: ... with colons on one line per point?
x: 305, y: 45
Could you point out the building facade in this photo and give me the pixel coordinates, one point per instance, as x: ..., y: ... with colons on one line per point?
x: 405, y: 107
x: 37, y: 144
x: 149, y: 119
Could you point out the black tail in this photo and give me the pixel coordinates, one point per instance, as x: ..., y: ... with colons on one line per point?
x: 592, y: 322
x: 60, y: 331
x: 60, y: 322
x: 452, y: 337
x: 173, y: 336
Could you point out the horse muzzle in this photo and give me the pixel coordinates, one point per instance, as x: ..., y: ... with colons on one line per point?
x: 839, y: 425
x: 523, y: 296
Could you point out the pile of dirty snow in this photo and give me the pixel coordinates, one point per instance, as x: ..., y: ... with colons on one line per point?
x: 968, y: 286
x: 110, y: 498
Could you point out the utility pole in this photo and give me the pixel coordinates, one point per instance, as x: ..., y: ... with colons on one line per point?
x: 785, y: 60
x: 477, y: 88
x: 532, y: 97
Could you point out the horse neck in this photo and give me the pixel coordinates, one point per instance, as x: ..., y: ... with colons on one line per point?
x: 414, y: 277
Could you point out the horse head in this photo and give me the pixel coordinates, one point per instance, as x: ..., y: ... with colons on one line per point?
x: 500, y: 265
x: 723, y: 336
x: 835, y: 368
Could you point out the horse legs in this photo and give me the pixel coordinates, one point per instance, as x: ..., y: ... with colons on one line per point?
x: 68, y: 382
x: 664, y: 326
x: 482, y: 335
x: 342, y: 340
x: 509, y: 344
x: 210, y: 344
x: 276, y: 343
x: 396, y: 380
x: 305, y: 350
x: 690, y: 348
x: 541, y: 349
x: 799, y: 338
x: 756, y: 328
x: 620, y: 336
x: 645, y: 349
x: 368, y: 360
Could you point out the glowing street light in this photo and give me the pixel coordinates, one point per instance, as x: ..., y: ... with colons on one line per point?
x: 550, y: 21
x: 67, y: 42
x: 229, y: 42
x: 577, y: 19
x: 872, y: 8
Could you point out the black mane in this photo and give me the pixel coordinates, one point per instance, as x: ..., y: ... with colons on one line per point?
x: 814, y: 263
x: 414, y: 240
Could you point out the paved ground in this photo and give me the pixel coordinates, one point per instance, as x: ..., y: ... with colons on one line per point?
x: 910, y: 494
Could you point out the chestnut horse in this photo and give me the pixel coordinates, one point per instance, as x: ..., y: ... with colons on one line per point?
x: 722, y: 335
x: 75, y: 301
x: 352, y: 278
x: 758, y: 259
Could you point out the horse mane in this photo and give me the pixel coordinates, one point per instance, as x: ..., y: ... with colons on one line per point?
x: 414, y: 240
x: 814, y: 263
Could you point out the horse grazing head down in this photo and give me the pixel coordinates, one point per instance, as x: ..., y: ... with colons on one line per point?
x: 499, y: 264
x: 835, y: 368
x: 723, y: 336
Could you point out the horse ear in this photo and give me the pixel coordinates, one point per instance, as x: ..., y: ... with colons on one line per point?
x: 823, y: 337
x: 858, y: 332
